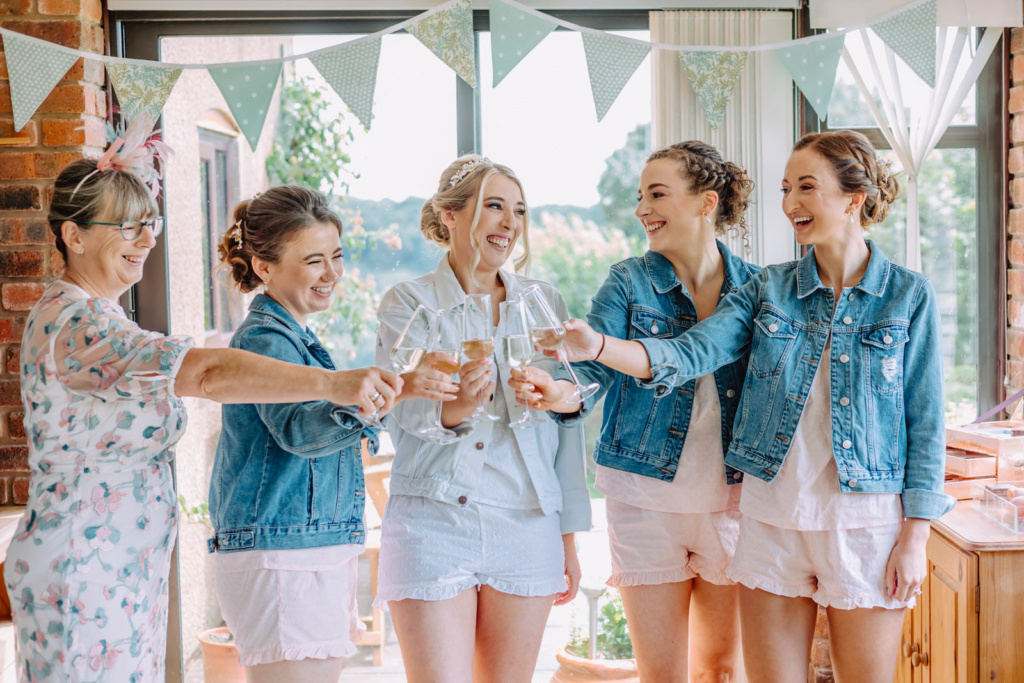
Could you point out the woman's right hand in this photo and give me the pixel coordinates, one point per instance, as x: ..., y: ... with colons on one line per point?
x: 426, y: 382
x: 582, y: 343
x: 369, y: 388
x: 537, y: 390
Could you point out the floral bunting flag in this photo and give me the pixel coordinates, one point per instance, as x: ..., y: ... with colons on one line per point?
x: 248, y: 90
x: 33, y: 68
x: 611, y: 62
x: 449, y: 35
x: 142, y: 87
x: 351, y: 70
x: 911, y: 35
x: 813, y: 68
x: 713, y: 76
x: 514, y: 33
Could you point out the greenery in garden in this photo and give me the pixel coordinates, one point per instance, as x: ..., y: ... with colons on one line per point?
x: 612, y: 633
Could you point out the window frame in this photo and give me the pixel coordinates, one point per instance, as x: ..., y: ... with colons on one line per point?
x: 212, y: 143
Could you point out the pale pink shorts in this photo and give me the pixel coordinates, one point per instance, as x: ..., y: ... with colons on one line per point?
x: 842, y: 568
x: 651, y: 547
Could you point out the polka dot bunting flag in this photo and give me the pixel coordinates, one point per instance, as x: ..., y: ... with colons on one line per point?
x: 351, y: 70
x: 514, y: 33
x: 33, y: 69
x: 813, y: 68
x: 911, y: 35
x: 248, y: 90
x: 611, y: 62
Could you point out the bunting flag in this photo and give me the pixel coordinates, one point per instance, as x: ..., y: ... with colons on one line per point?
x: 449, y: 35
x: 351, y: 70
x: 813, y: 68
x: 611, y: 62
x: 713, y: 76
x: 514, y: 33
x: 248, y: 90
x: 33, y: 68
x: 141, y: 87
x: 911, y: 35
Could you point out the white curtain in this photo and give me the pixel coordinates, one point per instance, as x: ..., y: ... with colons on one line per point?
x: 912, y: 124
x: 757, y: 132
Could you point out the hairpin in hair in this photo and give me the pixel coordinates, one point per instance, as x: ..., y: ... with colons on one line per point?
x: 884, y: 168
x: 465, y: 170
x: 135, y: 148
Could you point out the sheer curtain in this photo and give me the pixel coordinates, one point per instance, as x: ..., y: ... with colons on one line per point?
x: 757, y: 132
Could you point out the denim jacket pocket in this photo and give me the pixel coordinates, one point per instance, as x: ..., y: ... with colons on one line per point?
x: 774, y: 336
x: 883, y: 358
x: 647, y: 323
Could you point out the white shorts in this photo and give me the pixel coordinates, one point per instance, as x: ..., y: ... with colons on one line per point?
x: 280, y: 615
x: 651, y: 547
x: 431, y: 550
x: 843, y: 568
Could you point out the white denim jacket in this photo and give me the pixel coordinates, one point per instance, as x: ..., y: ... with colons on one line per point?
x: 555, y: 457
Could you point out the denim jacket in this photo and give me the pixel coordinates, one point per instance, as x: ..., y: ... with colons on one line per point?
x: 642, y: 432
x: 286, y: 475
x: 555, y: 458
x: 888, y: 433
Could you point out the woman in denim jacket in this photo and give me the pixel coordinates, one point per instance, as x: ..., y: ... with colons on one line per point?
x: 477, y: 540
x: 672, y: 503
x: 840, y: 421
x: 286, y: 493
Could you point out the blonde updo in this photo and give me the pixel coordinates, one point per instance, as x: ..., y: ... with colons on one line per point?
x: 857, y: 169
x: 472, y: 172
x: 264, y: 225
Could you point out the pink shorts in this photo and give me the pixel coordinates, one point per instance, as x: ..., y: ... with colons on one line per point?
x: 843, y: 568
x: 651, y: 547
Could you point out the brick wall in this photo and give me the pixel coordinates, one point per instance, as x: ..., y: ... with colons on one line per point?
x: 28, y: 259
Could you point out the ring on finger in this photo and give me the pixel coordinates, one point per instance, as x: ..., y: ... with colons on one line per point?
x: 376, y: 397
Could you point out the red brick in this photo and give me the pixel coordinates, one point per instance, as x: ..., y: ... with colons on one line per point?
x: 63, y: 32
x: 820, y: 657
x: 1016, y: 159
x: 14, y: 8
x: 17, y: 165
x: 10, y: 392
x: 87, y: 9
x: 11, y: 330
x: 57, y: 264
x: 20, y: 198
x: 21, y: 296
x: 5, y: 498
x: 820, y: 676
x: 13, y: 363
x: 1015, y: 221
x: 1017, y: 70
x: 1015, y: 282
x: 15, y: 231
x: 49, y: 164
x: 16, y: 425
x: 1015, y: 343
x: 1015, y: 313
x: 76, y: 133
x: 1017, y: 191
x: 29, y: 263
x: 1016, y: 104
x: 74, y: 99
x: 88, y: 70
x: 28, y: 131
x: 821, y: 623
x: 1015, y: 373
x: 5, y: 100
x: 1016, y: 40
x: 1015, y: 252
x: 19, y: 490
x: 13, y: 458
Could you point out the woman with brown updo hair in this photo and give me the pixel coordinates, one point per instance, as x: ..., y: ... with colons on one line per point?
x: 477, y: 540
x: 840, y: 428
x: 672, y: 503
x: 287, y: 492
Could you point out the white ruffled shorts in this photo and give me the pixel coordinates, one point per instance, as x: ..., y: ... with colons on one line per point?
x: 841, y: 568
x: 650, y: 547
x: 431, y: 550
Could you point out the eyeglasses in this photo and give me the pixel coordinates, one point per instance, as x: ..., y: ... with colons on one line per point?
x: 131, y: 230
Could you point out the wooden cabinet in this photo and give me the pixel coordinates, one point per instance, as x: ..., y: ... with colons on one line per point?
x: 968, y: 625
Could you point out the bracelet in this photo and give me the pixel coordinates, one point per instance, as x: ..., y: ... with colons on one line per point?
x: 601, y: 350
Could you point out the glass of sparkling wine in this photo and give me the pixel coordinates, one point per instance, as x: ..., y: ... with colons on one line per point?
x: 517, y: 347
x: 443, y: 354
x: 408, y: 350
x: 548, y: 333
x: 478, y: 342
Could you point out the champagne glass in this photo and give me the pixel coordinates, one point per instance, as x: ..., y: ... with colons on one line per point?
x: 478, y: 342
x: 443, y: 354
x: 548, y: 333
x: 408, y: 350
x: 517, y: 347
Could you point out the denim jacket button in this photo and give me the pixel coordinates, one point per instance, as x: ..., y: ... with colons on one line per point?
x: 773, y: 328
x: 844, y: 401
x: 850, y: 296
x: 887, y: 339
x: 479, y: 445
x: 654, y: 328
x: 847, y: 443
x: 844, y: 358
x: 737, y: 476
x: 852, y: 483
x: 847, y: 320
x: 730, y: 393
x: 463, y: 500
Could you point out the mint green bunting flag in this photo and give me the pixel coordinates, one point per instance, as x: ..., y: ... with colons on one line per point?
x: 513, y: 34
x: 33, y: 68
x: 713, y: 76
x: 352, y: 71
x: 813, y: 68
x: 248, y: 91
x: 911, y: 35
x: 611, y: 62
x: 141, y: 88
x: 449, y: 35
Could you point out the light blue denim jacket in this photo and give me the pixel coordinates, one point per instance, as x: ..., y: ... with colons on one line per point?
x: 286, y: 475
x: 888, y: 432
x: 642, y: 298
x: 555, y: 458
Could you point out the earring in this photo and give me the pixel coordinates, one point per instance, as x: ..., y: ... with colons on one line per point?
x: 707, y: 219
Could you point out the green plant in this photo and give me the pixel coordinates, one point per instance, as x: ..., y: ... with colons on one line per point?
x: 613, y: 640
x: 199, y: 514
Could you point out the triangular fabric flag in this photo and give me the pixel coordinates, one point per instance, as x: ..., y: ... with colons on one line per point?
x: 141, y: 87
x: 813, y: 68
x: 911, y: 35
x: 611, y: 62
x: 513, y: 34
x: 449, y: 35
x: 248, y: 90
x: 33, y: 69
x: 713, y: 76
x: 352, y: 71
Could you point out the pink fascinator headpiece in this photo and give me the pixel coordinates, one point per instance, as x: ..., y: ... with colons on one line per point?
x: 136, y: 148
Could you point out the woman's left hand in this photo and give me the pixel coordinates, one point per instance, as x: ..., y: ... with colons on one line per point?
x: 907, y: 567
x: 573, y: 573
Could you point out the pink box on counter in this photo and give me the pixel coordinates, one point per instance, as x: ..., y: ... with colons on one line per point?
x: 1003, y: 439
x: 964, y: 489
x: 970, y: 465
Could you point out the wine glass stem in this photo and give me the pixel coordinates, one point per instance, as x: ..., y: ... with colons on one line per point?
x: 437, y: 420
x: 568, y: 368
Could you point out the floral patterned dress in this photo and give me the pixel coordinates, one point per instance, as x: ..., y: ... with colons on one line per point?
x: 87, y: 571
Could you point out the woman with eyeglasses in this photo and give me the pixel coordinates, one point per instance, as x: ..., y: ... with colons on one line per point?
x: 88, y: 568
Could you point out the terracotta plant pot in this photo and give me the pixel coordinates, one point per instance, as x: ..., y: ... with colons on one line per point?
x: 220, y: 659
x: 573, y: 669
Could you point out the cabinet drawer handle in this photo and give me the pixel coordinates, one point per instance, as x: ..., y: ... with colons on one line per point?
x: 915, y: 660
x: 906, y: 650
x: 924, y: 659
